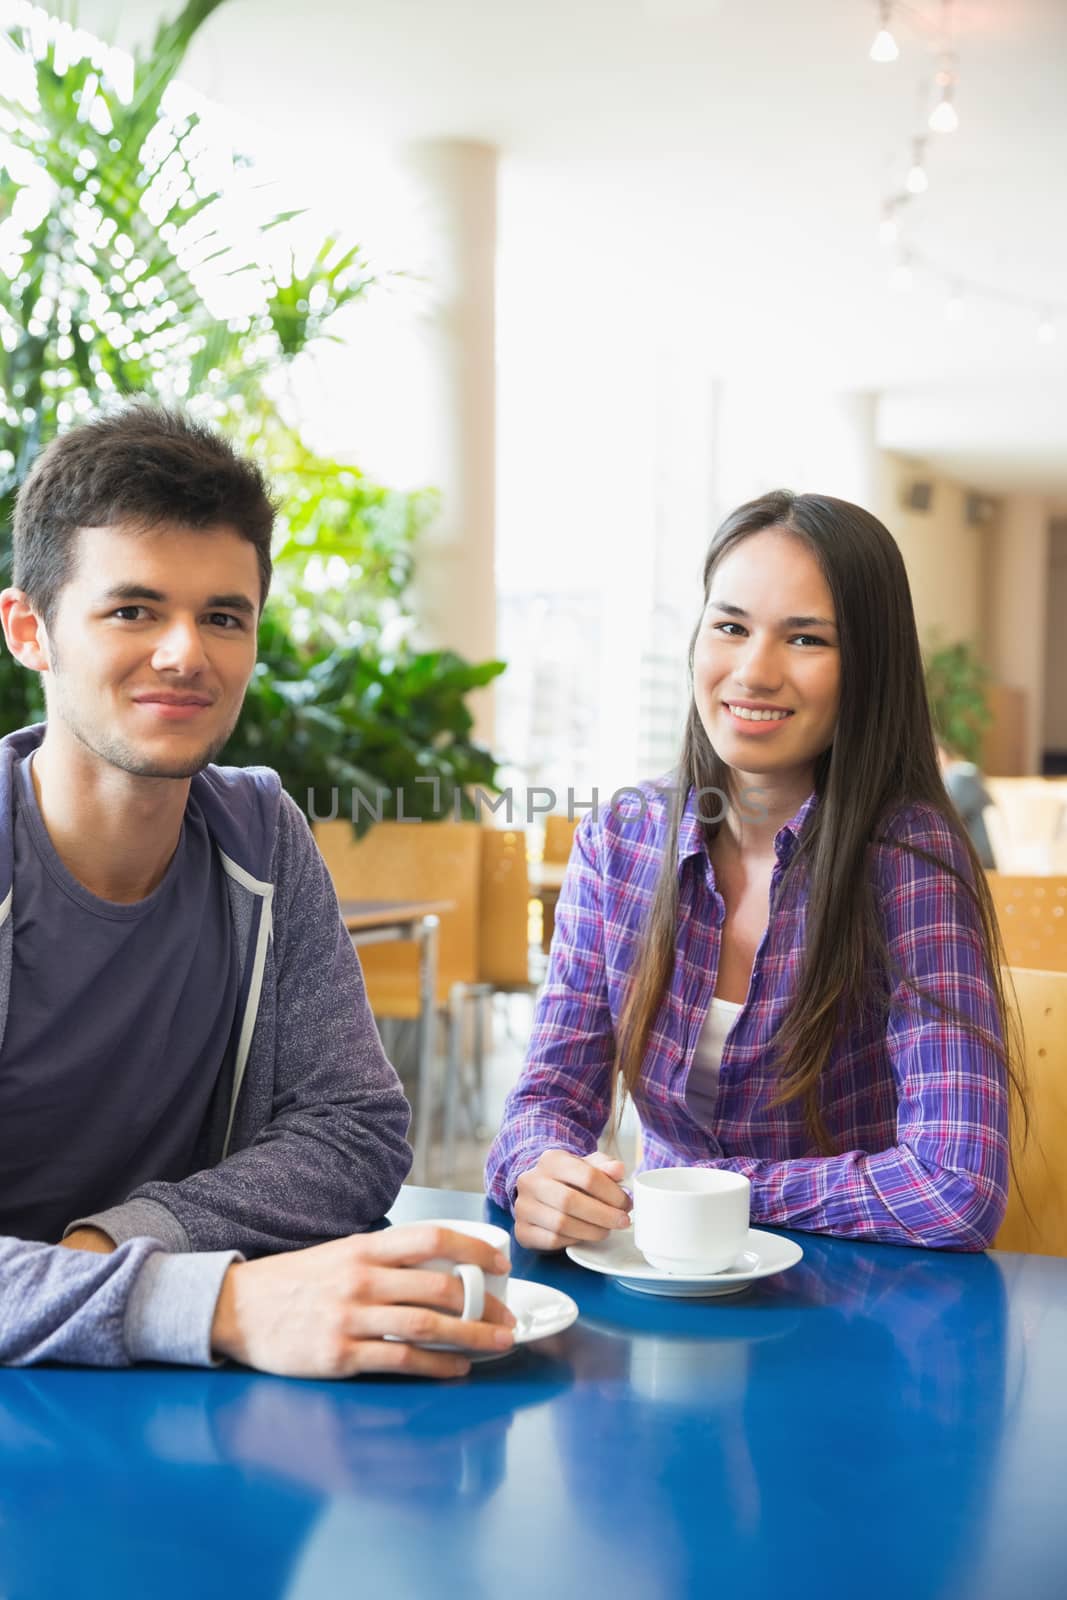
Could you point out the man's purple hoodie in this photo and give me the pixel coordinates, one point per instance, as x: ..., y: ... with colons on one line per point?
x: 315, y: 1146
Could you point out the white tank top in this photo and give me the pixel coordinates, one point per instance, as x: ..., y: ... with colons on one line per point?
x: 702, y: 1085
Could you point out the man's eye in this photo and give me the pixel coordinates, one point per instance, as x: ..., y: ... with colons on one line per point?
x: 224, y: 619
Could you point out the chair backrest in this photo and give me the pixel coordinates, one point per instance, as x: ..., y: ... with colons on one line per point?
x: 1041, y: 1167
x: 1032, y: 809
x: 504, y: 923
x: 1032, y: 914
x: 1023, y: 857
x: 559, y: 836
x: 410, y: 861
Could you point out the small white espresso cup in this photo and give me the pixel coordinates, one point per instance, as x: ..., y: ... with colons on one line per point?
x: 491, y: 1282
x: 690, y: 1220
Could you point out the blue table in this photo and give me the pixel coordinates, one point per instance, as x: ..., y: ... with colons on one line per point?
x: 875, y: 1423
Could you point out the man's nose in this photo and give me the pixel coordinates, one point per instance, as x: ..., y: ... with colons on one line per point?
x: 180, y: 649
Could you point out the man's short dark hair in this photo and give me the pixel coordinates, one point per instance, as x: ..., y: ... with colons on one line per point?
x: 143, y: 466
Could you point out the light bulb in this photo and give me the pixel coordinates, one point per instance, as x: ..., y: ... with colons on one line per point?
x: 1046, y: 331
x: 884, y: 47
x: 954, y: 306
x: 943, y: 118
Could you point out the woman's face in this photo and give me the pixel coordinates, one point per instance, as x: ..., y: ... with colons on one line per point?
x: 767, y: 663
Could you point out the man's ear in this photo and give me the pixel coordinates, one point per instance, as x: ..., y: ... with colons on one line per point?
x: 26, y: 636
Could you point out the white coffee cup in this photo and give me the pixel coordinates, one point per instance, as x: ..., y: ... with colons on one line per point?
x: 690, y: 1221
x: 494, y: 1283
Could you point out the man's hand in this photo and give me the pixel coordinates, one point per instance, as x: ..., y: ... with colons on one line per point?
x: 89, y: 1239
x: 568, y: 1199
x: 325, y: 1312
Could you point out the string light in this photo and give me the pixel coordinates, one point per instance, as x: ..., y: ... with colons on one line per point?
x: 960, y: 293
x: 884, y: 47
x: 944, y: 118
x: 916, y: 181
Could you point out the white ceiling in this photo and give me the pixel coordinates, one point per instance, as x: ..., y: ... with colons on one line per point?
x: 721, y: 163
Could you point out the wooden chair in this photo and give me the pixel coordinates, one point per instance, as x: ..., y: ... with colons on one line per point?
x: 559, y: 837
x: 1032, y: 914
x: 411, y: 861
x: 415, y: 861
x: 1027, y: 824
x: 503, y: 963
x: 503, y: 933
x: 1041, y: 1168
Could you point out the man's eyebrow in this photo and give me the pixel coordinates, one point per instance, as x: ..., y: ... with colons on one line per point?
x: 125, y: 593
x: 786, y: 622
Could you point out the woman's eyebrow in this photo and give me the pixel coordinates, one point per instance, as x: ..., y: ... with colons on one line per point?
x: 786, y: 622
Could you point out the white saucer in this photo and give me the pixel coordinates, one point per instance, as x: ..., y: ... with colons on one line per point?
x: 618, y: 1257
x: 539, y: 1312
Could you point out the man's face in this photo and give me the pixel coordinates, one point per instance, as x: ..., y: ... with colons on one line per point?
x: 152, y: 645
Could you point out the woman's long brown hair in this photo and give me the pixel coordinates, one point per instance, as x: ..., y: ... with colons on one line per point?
x: 882, y: 757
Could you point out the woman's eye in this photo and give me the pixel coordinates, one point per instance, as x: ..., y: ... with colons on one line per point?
x: 807, y: 639
x: 129, y: 613
x: 724, y: 627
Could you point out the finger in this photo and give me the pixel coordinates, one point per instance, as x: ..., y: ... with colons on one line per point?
x: 579, y: 1207
x: 497, y: 1312
x: 609, y: 1165
x: 616, y: 1172
x: 412, y: 1242
x: 578, y: 1173
x: 422, y: 1325
x: 564, y: 1229
x: 535, y: 1238
x: 408, y: 1286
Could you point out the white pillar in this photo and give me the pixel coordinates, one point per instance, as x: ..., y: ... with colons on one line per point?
x: 453, y: 187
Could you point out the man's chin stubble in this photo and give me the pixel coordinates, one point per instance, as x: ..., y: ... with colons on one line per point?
x: 139, y: 765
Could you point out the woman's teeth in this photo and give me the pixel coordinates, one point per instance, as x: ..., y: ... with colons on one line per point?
x: 758, y: 716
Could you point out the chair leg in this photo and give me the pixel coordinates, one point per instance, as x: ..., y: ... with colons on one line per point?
x: 454, y: 1024
x: 483, y: 1008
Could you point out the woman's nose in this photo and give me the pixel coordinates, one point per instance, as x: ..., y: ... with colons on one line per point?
x: 759, y: 666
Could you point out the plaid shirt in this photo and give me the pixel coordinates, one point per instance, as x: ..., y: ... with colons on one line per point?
x: 916, y: 1102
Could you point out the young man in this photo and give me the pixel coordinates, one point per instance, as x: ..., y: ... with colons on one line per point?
x: 189, y: 1071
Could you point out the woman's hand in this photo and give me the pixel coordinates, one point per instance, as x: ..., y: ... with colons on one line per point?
x: 325, y: 1312
x: 568, y: 1199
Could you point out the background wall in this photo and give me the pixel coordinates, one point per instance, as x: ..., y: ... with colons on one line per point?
x: 945, y: 554
x: 1055, y: 720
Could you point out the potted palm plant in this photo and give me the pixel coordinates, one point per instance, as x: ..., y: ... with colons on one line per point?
x: 120, y: 274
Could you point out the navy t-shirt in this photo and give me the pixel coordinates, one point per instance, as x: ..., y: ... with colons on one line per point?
x: 118, y: 1031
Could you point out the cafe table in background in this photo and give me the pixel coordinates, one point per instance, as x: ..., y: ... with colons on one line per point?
x: 876, y: 1421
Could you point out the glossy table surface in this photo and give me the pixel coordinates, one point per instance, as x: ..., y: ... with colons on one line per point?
x: 876, y: 1422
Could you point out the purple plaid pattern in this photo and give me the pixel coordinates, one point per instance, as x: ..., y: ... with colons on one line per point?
x: 917, y: 1104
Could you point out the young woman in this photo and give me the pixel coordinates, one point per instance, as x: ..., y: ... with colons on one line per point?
x: 788, y: 955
